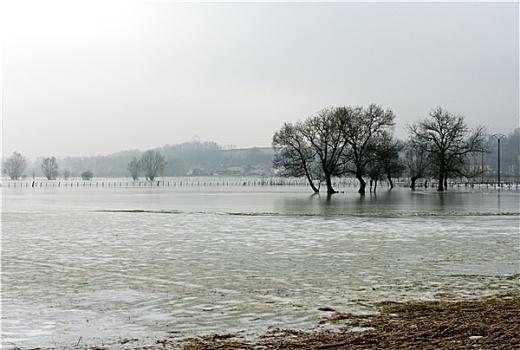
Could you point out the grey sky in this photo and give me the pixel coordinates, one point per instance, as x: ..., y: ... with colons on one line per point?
x: 97, y: 78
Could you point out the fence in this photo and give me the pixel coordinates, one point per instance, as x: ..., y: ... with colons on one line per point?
x: 169, y: 182
x: 201, y: 182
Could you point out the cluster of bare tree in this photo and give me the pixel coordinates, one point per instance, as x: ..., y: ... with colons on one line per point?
x: 15, y: 165
x: 357, y: 141
x: 443, y: 146
x: 152, y: 163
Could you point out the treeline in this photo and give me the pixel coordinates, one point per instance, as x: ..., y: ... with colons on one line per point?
x: 359, y: 142
x: 197, y: 158
x: 189, y: 158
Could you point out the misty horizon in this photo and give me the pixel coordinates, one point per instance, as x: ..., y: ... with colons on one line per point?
x: 90, y: 78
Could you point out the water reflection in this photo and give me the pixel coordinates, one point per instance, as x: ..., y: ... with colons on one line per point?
x: 396, y: 201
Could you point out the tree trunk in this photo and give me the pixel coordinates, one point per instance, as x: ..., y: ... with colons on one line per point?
x: 440, y: 186
x: 412, y: 185
x: 308, y: 176
x: 362, y: 184
x: 390, y: 182
x: 314, y: 188
x: 330, y: 189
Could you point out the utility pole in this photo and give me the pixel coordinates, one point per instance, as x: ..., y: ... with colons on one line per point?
x: 482, y: 169
x: 499, y: 137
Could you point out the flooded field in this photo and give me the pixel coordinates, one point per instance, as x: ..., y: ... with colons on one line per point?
x: 91, y: 266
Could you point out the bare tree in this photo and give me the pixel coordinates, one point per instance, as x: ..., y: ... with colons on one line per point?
x: 448, y: 142
x: 15, y: 165
x: 294, y: 156
x: 417, y: 163
x: 386, y: 162
x: 324, y: 133
x: 134, y: 167
x: 50, y: 168
x: 361, y: 129
x: 153, y: 164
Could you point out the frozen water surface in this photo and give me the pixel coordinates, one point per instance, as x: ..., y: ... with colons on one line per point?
x: 92, y: 266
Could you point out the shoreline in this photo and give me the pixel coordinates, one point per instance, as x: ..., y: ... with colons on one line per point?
x: 488, y: 323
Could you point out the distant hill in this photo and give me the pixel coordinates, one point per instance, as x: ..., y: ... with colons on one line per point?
x: 191, y: 158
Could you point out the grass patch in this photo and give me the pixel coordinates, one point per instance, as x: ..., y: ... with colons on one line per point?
x: 491, y: 323
x: 140, y: 211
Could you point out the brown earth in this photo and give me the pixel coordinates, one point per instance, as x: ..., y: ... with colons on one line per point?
x: 488, y: 324
x: 492, y: 323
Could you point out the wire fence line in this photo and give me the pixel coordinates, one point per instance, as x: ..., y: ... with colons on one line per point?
x: 236, y: 182
x: 163, y: 182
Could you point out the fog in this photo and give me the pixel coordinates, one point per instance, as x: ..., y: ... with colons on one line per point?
x: 102, y: 77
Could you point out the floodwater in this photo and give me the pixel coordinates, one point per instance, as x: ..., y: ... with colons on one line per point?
x: 92, y: 266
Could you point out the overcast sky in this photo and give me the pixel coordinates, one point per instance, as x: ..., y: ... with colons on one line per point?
x: 97, y: 78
